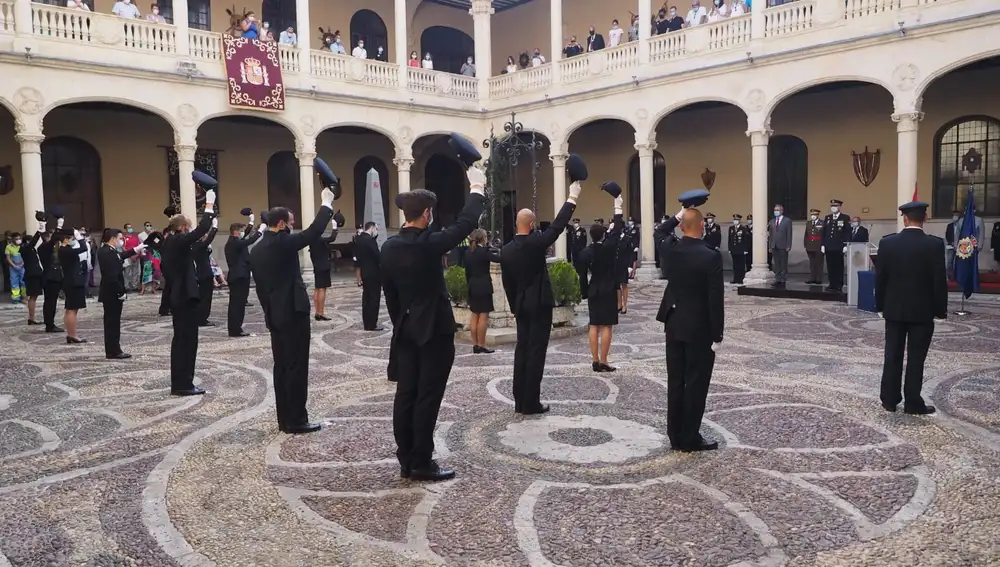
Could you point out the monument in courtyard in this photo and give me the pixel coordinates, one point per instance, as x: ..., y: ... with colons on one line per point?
x: 374, y: 210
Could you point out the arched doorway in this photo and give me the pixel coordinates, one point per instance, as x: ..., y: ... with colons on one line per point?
x: 368, y: 26
x: 361, y: 169
x: 444, y: 176
x: 788, y: 175
x: 659, y: 187
x: 448, y: 47
x: 967, y: 136
x: 71, y: 180
x: 280, y: 14
x: 283, y: 187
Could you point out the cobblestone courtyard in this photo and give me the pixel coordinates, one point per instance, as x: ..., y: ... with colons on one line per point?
x: 99, y: 466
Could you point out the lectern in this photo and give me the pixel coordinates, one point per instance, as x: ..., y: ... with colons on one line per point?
x: 858, y: 260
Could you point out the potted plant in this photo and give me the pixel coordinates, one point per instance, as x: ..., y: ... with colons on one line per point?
x: 565, y: 291
x: 455, y: 284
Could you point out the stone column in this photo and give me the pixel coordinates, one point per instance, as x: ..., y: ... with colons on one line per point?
x: 31, y: 177
x: 403, y: 163
x: 757, y: 21
x: 302, y: 32
x: 556, y: 32
x: 559, y: 195
x: 305, y: 152
x: 907, y: 126
x: 481, y: 11
x: 645, y: 16
x: 759, y: 273
x: 646, y: 219
x: 185, y: 167
x: 22, y: 27
x: 399, y: 41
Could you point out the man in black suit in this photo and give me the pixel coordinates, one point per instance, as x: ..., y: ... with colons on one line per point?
x: 693, y: 315
x: 423, y: 338
x: 525, y: 276
x: 203, y: 272
x: 366, y: 253
x: 52, y: 278
x: 858, y: 232
x: 238, y: 258
x: 111, y: 294
x: 911, y: 290
x: 178, y: 266
x: 319, y: 255
x: 595, y: 41
x: 282, y: 294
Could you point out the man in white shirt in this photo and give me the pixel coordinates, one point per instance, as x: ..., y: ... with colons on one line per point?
x: 125, y: 9
x: 360, y: 52
x: 615, y: 34
x: 697, y: 15
x: 77, y: 5
x: 537, y: 60
x: 288, y: 37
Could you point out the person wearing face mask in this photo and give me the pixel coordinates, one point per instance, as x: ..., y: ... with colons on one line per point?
x: 950, y: 239
x: 202, y: 253
x: 595, y: 41
x: 577, y: 240
x: 154, y: 15
x: 237, y: 252
x: 133, y: 271
x: 111, y: 294
x: 749, y: 240
x: 15, y: 267
x: 780, y: 244
x: 125, y: 9
x: 812, y: 240
x: 625, y: 262
x: 182, y: 280
x: 738, y: 249
x: 858, y: 232
x: 738, y: 8
x: 836, y: 232
x: 52, y: 278
x: 697, y: 15
x: 72, y: 258
x: 428, y: 62
x: 380, y: 54
x: 319, y: 255
x: 713, y: 234
x: 367, y: 252
x: 359, y: 50
x: 422, y: 349
x: 468, y: 68
x: 718, y: 12
x: 274, y: 262
x: 336, y: 45
x: 32, y: 270
x: 615, y: 34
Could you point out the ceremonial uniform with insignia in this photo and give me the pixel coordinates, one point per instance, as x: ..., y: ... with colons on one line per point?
x: 713, y: 234
x: 738, y: 242
x: 813, y: 242
x: 577, y: 240
x: 749, y: 240
x: 836, y: 232
x: 203, y: 271
x: 237, y: 252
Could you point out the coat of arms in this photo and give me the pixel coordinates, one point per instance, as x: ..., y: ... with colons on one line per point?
x: 966, y: 247
x: 708, y: 179
x: 866, y: 165
x: 251, y: 71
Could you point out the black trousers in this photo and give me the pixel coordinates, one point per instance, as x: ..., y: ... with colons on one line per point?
x: 165, y: 298
x: 112, y: 327
x: 815, y: 265
x: 915, y: 339
x: 205, y: 291
x: 290, y: 349
x: 51, y: 301
x: 533, y: 330
x: 371, y: 297
x: 689, y: 372
x: 184, y: 344
x: 239, y: 292
x: 739, y: 266
x: 422, y: 372
x: 835, y: 267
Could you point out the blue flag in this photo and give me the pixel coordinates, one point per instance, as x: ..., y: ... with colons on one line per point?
x: 966, y: 253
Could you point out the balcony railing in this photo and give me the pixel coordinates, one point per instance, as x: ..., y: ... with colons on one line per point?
x: 796, y: 25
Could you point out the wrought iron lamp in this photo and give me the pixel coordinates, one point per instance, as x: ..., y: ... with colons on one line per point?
x: 506, y: 152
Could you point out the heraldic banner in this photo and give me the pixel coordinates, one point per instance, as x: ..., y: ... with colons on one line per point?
x: 254, y: 72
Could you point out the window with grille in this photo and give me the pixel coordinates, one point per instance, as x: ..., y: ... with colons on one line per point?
x: 967, y: 153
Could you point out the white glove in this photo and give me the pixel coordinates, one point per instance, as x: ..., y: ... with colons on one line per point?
x: 138, y: 249
x: 209, y: 198
x: 822, y: 249
x: 77, y: 235
x: 122, y: 297
x: 880, y: 315
x: 574, y: 191
x: 619, y: 204
x: 333, y: 224
x: 477, y: 180
x: 251, y: 219
x: 680, y: 213
x: 716, y: 347
x: 59, y: 223
x: 327, y: 198
x: 74, y: 244
x: 215, y: 222
x: 41, y: 226
x: 262, y: 227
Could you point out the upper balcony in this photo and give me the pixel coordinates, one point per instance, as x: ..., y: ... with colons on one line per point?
x: 57, y: 35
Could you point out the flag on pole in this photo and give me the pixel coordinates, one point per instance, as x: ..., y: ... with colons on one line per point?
x: 966, y: 252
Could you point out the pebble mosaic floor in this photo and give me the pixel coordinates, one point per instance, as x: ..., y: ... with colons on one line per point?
x: 99, y: 466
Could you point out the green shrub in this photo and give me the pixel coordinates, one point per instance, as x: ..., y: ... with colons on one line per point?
x: 454, y: 282
x: 565, y: 283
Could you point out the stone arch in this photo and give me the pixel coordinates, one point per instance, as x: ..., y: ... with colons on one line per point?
x: 376, y: 128
x: 283, y: 181
x: 71, y: 180
x: 370, y: 27
x: 800, y: 87
x: 448, y: 46
x: 166, y: 116
x: 265, y: 116
x: 654, y: 121
x: 949, y: 142
x: 954, y: 66
x: 574, y: 126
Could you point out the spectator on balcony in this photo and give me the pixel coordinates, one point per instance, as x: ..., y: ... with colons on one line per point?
x: 633, y: 29
x: 414, y: 61
x: 249, y: 26
x: 615, y: 34
x: 154, y: 15
x: 511, y: 65
x: 266, y: 33
x: 359, y: 50
x: 125, y: 9
x: 537, y: 59
x: 595, y: 41
x: 77, y: 5
x: 738, y: 8
x: 381, y: 55
x: 428, y: 62
x: 288, y: 37
x: 572, y: 48
x: 718, y: 12
x: 697, y: 15
x: 468, y: 68
x: 335, y: 44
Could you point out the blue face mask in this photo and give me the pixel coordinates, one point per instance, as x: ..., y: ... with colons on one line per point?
x: 130, y: 230
x: 777, y: 214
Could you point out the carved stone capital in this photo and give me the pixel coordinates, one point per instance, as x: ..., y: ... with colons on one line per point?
x: 305, y: 158
x: 403, y: 163
x: 559, y: 160
x: 645, y: 149
x: 30, y: 143
x: 185, y: 152
x: 759, y: 137
x: 481, y: 8
x: 907, y: 121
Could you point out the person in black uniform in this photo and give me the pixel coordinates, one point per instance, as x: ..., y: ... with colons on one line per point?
x: 577, y: 239
x: 179, y: 270
x: 713, y: 234
x: 282, y: 295
x: 836, y: 232
x: 525, y: 277
x: 749, y: 239
x: 357, y: 267
x: 52, y: 278
x: 480, y: 285
x: 71, y: 256
x: 237, y: 252
x: 202, y: 250
x: 111, y: 294
x: 911, y: 291
x: 422, y: 350
x: 367, y: 253
x: 164, y: 311
x: 625, y: 260
x: 33, y: 269
x: 319, y: 255
x: 693, y: 315
x: 599, y: 260
x: 738, y: 249
x: 858, y: 233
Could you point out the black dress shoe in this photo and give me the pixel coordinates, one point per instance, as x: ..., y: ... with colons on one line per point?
x: 239, y: 334
x: 404, y: 471
x: 164, y: 314
x: 302, y: 429
x: 33, y: 322
x: 194, y: 391
x: 321, y: 318
x: 517, y: 408
x: 432, y: 472
x: 53, y: 329
x: 596, y: 366
x: 75, y: 341
x: 703, y: 445
x: 540, y: 408
x: 926, y: 410
x: 119, y: 356
x: 249, y: 304
x: 206, y: 324
x: 376, y: 329
x: 889, y: 408
x: 607, y: 368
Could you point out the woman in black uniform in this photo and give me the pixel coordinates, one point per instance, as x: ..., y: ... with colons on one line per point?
x: 624, y: 264
x: 32, y: 270
x: 603, y: 282
x: 71, y: 250
x: 477, y: 276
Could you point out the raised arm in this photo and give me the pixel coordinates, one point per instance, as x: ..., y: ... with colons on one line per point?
x: 448, y: 238
x: 201, y: 244
x: 300, y: 240
x: 549, y: 236
x: 205, y: 225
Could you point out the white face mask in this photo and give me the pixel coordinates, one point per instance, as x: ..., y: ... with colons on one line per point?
x: 749, y: 223
x: 17, y: 241
x: 954, y: 217
x: 736, y: 222
x: 813, y: 217
x: 834, y: 209
x: 711, y: 221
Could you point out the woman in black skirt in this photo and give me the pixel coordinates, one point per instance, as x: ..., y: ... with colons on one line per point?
x: 625, y: 263
x: 477, y: 276
x: 33, y: 270
x: 603, y: 282
x: 72, y: 250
